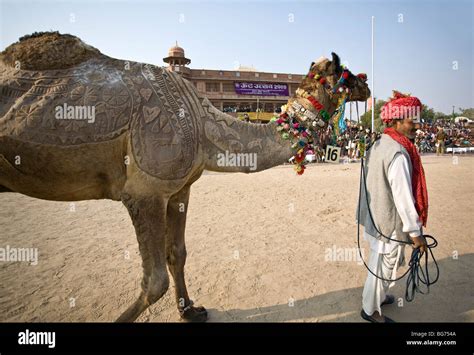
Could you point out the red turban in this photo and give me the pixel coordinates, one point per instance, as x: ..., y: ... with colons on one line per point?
x: 401, y: 106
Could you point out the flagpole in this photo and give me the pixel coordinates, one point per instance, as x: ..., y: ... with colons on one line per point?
x: 372, y: 76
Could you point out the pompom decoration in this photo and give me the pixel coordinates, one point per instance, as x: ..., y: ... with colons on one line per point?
x: 325, y: 115
x: 299, y: 137
x: 316, y: 104
x: 322, y: 81
x: 362, y: 76
x: 299, y: 158
x: 300, y: 169
x: 345, y: 75
x: 310, y: 75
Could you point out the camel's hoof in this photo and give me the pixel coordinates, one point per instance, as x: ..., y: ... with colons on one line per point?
x: 194, y: 314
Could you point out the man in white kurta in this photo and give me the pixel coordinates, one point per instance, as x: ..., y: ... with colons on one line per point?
x: 385, y: 255
x: 388, y: 206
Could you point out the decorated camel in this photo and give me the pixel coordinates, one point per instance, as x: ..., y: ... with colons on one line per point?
x: 76, y: 124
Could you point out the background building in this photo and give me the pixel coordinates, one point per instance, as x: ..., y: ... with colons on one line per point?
x: 237, y: 91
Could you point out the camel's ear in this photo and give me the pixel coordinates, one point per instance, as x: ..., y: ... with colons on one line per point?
x: 336, y: 63
x: 311, y: 66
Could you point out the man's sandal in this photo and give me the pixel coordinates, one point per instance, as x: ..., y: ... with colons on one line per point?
x: 373, y: 320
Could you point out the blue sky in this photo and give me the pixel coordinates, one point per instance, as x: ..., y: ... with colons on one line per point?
x: 416, y: 41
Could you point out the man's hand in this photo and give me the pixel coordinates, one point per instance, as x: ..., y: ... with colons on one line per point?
x: 419, y: 242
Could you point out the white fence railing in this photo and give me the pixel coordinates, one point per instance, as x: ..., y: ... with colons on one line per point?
x: 460, y: 150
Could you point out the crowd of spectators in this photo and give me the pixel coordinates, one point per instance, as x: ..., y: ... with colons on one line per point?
x: 438, y: 136
x: 242, y: 109
x: 430, y: 138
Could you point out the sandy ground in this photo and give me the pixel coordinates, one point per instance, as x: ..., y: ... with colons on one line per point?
x: 257, y: 251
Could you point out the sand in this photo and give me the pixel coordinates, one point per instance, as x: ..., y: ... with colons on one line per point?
x: 259, y: 249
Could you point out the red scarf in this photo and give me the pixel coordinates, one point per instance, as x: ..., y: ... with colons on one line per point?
x: 418, y: 180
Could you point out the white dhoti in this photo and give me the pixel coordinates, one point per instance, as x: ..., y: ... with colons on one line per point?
x: 384, y: 260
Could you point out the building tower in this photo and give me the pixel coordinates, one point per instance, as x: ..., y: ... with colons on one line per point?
x: 177, y: 61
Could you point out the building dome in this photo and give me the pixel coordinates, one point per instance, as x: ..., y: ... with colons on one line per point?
x: 176, y: 52
x: 176, y: 56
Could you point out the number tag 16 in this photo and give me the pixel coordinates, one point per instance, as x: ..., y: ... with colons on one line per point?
x: 332, y: 154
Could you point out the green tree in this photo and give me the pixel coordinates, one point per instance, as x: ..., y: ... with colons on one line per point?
x: 366, y: 118
x: 441, y: 116
x: 467, y: 112
x: 427, y: 114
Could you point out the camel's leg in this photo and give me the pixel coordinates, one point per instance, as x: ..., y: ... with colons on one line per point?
x: 149, y: 219
x: 176, y: 255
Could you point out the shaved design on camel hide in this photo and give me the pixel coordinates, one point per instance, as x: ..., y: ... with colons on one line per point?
x: 156, y: 104
x: 219, y: 131
x: 30, y: 100
x: 164, y: 134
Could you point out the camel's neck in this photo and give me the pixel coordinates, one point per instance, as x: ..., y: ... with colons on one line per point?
x: 231, y: 145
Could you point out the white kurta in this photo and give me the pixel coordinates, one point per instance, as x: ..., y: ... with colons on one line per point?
x: 386, y: 255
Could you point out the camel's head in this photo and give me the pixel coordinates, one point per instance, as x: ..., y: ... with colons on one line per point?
x: 335, y: 79
x: 324, y: 88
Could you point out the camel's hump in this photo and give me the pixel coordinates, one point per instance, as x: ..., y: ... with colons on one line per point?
x: 48, y: 51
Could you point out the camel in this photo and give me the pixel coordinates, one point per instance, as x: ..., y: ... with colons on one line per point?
x: 151, y: 136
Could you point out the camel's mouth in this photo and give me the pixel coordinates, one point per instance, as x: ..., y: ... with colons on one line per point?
x: 358, y: 87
